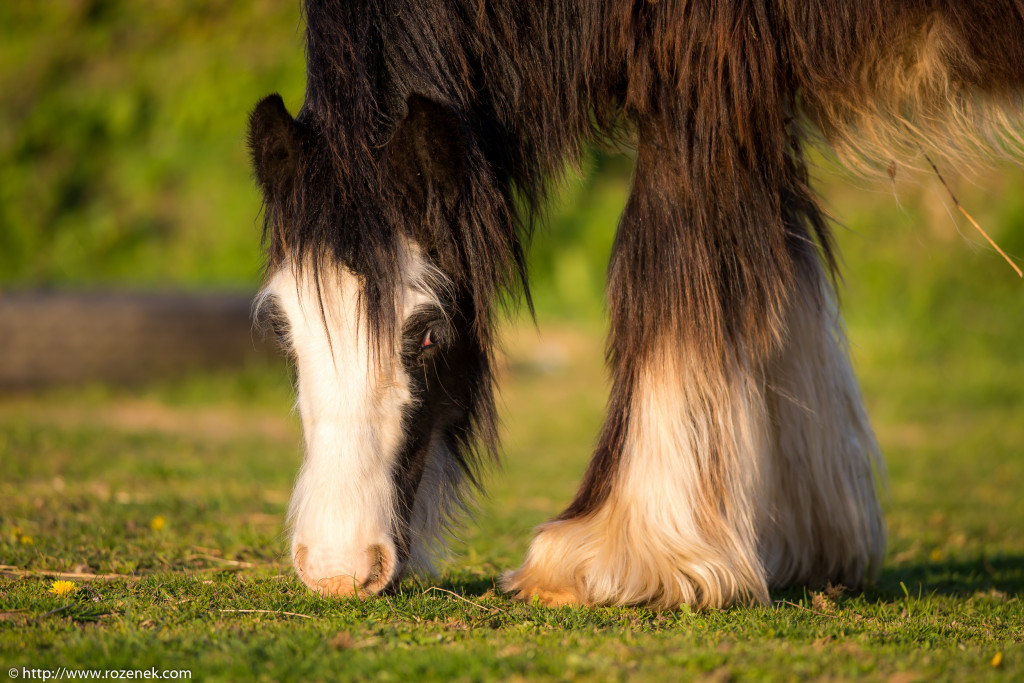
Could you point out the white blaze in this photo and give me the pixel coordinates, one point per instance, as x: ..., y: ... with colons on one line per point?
x: 351, y: 401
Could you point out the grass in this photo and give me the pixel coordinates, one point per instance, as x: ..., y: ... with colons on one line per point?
x: 181, y: 489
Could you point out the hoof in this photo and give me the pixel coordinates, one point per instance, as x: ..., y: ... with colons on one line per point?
x: 589, y: 561
x: 524, y: 588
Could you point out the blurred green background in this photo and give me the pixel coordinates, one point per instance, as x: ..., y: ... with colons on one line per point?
x: 122, y: 155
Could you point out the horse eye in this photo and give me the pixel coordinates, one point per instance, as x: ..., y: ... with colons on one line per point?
x: 429, y: 339
x: 280, y: 327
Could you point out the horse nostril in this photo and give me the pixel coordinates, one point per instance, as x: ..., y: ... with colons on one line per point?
x: 332, y: 575
x: 378, y: 566
x: 299, y: 559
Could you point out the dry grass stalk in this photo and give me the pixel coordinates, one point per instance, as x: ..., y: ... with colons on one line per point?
x: 958, y: 205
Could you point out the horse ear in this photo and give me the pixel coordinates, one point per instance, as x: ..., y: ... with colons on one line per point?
x: 429, y: 149
x: 275, y: 142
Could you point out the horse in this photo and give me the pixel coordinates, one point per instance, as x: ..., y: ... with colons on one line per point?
x: 737, y: 455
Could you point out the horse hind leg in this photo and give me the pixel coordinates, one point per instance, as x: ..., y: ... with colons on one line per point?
x: 822, y: 521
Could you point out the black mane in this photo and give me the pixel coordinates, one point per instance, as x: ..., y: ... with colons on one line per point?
x: 470, y: 75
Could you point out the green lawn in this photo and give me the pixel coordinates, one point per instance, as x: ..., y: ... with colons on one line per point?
x: 181, y: 488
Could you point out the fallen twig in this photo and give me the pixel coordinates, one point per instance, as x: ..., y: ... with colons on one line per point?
x: 267, y: 611
x: 459, y: 597
x: 12, y: 572
x: 232, y: 563
x: 793, y: 604
x: 53, y: 611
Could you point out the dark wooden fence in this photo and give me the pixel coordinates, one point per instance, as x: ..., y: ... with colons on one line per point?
x: 67, y: 338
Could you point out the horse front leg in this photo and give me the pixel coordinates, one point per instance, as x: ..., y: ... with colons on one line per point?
x: 736, y: 454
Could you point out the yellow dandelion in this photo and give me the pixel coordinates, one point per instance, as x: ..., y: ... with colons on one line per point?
x: 997, y: 660
x: 936, y: 555
x: 26, y: 540
x: 63, y: 587
x: 157, y: 523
